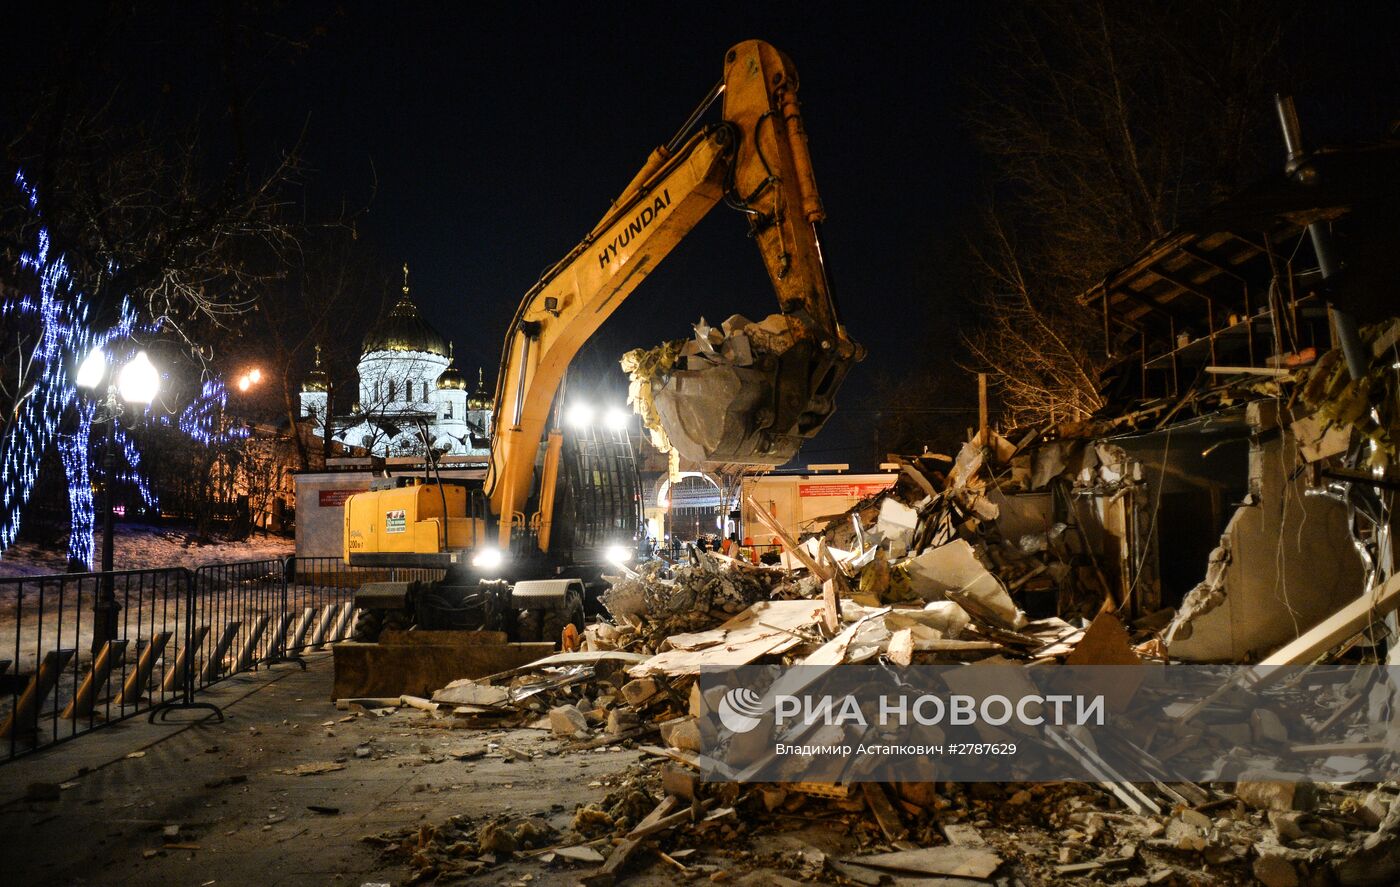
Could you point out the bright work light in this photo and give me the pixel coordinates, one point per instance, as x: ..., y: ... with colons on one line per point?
x: 615, y: 419
x: 579, y: 415
x: 488, y: 558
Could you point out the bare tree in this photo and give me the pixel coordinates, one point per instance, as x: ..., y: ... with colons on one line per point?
x: 333, y: 292
x: 1039, y: 345
x: 1106, y: 125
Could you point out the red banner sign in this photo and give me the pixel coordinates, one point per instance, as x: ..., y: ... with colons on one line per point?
x: 852, y: 491
x: 335, y: 498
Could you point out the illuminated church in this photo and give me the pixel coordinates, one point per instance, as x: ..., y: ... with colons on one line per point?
x: 406, y: 380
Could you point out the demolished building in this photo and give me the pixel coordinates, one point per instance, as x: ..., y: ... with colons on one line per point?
x: 1232, y: 504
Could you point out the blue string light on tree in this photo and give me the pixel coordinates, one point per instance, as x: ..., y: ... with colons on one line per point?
x: 49, y: 411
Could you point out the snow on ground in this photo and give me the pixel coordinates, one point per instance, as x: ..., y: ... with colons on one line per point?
x: 144, y: 546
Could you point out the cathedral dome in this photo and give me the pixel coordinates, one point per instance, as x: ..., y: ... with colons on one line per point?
x: 316, y: 380
x: 480, y: 399
x: 451, y: 379
x: 405, y: 329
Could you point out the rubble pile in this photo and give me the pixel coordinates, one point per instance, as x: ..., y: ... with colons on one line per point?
x: 993, y: 556
x: 1049, y: 565
x: 662, y: 813
x: 659, y: 599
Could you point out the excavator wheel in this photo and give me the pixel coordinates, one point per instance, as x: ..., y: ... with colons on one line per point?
x: 369, y: 624
x: 548, y: 625
x: 552, y: 622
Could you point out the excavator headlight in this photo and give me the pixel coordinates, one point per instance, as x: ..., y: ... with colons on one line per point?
x: 618, y: 554
x: 616, y: 419
x: 579, y: 415
x: 488, y: 558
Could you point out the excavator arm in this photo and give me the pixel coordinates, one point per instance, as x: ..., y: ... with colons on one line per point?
x: 757, y: 160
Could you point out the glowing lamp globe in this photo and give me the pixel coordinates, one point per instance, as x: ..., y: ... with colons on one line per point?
x: 92, y: 369
x: 138, y: 381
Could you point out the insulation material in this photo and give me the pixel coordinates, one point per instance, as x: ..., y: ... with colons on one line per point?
x: 645, y: 368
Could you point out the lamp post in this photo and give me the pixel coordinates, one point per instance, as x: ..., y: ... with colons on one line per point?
x: 136, y: 382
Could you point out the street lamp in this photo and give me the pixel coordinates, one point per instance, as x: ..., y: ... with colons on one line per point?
x: 137, y: 382
x: 247, y: 380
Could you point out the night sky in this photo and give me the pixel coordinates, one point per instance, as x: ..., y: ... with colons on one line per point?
x: 487, y: 140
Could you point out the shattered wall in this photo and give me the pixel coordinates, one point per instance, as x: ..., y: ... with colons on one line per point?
x: 1285, y: 561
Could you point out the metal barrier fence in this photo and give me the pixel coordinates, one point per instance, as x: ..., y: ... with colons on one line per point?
x: 79, y: 651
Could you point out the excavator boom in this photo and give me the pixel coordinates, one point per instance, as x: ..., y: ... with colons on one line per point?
x: 757, y: 409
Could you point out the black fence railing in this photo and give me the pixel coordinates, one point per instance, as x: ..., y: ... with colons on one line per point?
x: 78, y: 651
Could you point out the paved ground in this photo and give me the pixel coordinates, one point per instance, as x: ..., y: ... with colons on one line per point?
x: 123, y: 786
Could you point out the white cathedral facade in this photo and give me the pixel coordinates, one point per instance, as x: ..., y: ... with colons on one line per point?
x: 406, y: 381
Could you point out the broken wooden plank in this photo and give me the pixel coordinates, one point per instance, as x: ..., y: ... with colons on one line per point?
x: 1342, y: 711
x: 901, y: 648
x: 961, y: 834
x: 1104, y: 775
x: 1273, y: 372
x: 831, y: 607
x: 789, y: 543
x: 667, y: 822
x: 1093, y: 865
x: 419, y: 703
x: 607, y: 872
x: 948, y: 862
x: 1333, y: 630
x: 883, y: 811
x: 1339, y: 748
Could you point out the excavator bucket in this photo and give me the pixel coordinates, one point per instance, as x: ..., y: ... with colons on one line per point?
x: 744, y: 393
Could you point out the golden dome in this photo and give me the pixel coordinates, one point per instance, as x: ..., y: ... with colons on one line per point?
x: 450, y: 378
x: 405, y: 329
x: 480, y: 398
x: 316, y: 380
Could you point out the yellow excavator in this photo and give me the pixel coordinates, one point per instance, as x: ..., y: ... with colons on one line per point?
x: 520, y: 549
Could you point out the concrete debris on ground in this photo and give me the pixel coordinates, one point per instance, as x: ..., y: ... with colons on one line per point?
x: 987, y: 555
x: 660, y: 600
